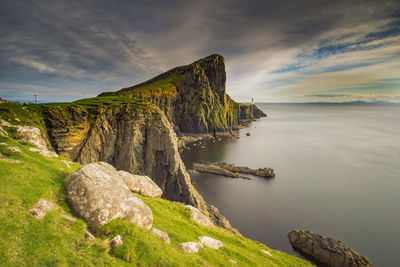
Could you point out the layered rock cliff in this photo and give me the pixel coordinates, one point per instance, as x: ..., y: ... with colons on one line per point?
x: 193, y: 97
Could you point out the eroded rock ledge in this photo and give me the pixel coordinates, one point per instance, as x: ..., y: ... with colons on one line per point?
x: 231, y: 170
x: 327, y: 250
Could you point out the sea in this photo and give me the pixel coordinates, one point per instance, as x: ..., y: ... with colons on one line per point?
x: 337, y: 172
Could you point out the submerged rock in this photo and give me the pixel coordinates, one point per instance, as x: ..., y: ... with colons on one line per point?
x: 97, y: 194
x: 190, y: 247
x: 327, y: 250
x: 141, y: 184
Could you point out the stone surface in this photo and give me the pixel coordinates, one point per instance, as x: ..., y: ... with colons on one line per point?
x: 116, y: 242
x: 141, y: 184
x: 210, y: 242
x: 3, y: 132
x: 266, y: 252
x: 199, y: 217
x: 233, y: 261
x: 190, y: 247
x: 162, y: 235
x: 33, y: 135
x: 68, y: 218
x: 88, y: 235
x: 40, y: 209
x: 327, y: 250
x: 13, y: 149
x: 232, y: 170
x: 10, y: 160
x: 97, y: 194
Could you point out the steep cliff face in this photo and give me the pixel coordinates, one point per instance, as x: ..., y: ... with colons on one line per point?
x: 133, y: 137
x: 192, y: 97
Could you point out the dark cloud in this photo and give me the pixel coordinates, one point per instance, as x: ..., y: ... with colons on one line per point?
x: 92, y: 46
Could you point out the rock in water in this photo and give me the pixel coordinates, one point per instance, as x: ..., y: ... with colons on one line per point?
x: 40, y: 209
x: 210, y: 242
x: 327, y: 250
x: 141, y: 184
x: 97, y: 194
x: 199, y: 217
x: 162, y: 235
x: 190, y: 247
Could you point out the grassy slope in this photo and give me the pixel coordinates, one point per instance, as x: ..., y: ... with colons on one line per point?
x: 25, y: 241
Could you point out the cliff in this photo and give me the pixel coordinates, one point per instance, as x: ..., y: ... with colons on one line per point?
x: 193, y: 97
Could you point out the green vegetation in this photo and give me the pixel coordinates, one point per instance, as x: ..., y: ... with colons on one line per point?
x: 154, y: 86
x: 24, y: 241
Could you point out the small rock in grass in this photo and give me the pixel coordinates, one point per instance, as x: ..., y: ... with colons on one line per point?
x: 10, y: 160
x: 13, y: 149
x: 40, y: 209
x: 162, y: 235
x: 34, y: 149
x: 199, y: 217
x: 266, y: 252
x: 67, y: 163
x: 68, y: 218
x: 210, y: 242
x: 190, y: 247
x: 116, y: 242
x: 232, y: 261
x: 88, y: 235
x: 3, y: 144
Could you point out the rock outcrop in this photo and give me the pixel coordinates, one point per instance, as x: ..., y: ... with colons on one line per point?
x: 141, y: 184
x: 327, y: 250
x: 231, y: 170
x: 97, y: 194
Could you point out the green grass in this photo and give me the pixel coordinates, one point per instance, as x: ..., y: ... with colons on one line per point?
x: 24, y: 241
x: 155, y: 86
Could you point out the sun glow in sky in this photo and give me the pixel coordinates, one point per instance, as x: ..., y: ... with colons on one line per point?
x: 275, y: 51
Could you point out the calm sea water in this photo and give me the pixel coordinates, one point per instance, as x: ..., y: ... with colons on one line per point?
x: 337, y: 173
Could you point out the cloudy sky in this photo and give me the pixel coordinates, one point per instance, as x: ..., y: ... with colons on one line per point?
x: 275, y: 51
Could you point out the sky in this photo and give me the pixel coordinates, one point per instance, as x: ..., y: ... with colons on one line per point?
x: 275, y: 51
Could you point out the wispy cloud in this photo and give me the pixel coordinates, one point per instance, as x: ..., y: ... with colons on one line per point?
x: 275, y: 51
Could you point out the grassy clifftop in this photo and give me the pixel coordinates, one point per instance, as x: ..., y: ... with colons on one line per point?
x: 24, y: 241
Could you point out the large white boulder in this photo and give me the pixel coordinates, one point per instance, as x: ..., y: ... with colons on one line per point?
x: 141, y: 184
x: 97, y: 194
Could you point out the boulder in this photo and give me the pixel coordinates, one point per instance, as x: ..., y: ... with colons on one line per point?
x: 327, y: 250
x: 210, y: 242
x: 116, y: 242
x: 162, y: 235
x: 97, y: 194
x: 199, y: 217
x: 141, y: 184
x: 40, y: 209
x: 190, y: 247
